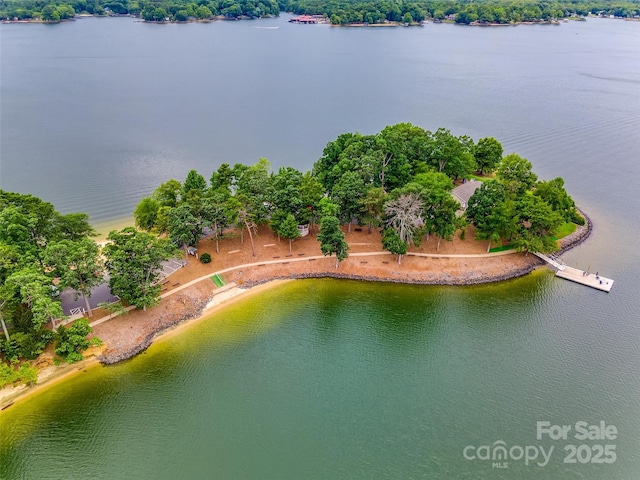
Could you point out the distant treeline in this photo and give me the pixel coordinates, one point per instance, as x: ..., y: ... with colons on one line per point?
x: 158, y: 11
x: 460, y: 11
x: 337, y: 11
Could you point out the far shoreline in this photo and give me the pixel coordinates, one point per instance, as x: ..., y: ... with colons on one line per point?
x: 222, y: 18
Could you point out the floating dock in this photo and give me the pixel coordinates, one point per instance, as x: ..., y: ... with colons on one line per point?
x: 575, y: 275
x: 589, y: 279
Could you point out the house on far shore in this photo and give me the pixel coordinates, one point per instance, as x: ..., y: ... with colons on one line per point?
x: 306, y: 19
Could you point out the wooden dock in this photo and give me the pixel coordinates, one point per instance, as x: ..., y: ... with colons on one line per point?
x: 575, y: 275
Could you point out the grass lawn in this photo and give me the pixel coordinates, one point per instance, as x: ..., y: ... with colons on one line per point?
x: 485, y: 177
x: 566, y: 229
x: 500, y: 249
x: 479, y: 178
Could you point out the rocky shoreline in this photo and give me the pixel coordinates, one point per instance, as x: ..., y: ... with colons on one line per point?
x: 535, y: 263
x: 581, y: 233
x: 194, y: 304
x: 193, y: 308
x: 127, y: 337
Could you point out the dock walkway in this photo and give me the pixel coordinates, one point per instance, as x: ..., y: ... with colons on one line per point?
x: 576, y: 275
x: 555, y: 263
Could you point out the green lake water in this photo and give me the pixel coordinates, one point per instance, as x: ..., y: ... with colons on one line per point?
x: 339, y: 379
x: 335, y: 379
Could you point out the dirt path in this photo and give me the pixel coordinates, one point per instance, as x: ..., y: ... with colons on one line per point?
x: 189, y: 289
x: 188, y: 292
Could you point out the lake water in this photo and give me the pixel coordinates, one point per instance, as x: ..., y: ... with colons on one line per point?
x: 328, y: 379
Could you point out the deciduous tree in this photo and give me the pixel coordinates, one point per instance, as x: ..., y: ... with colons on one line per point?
x: 450, y: 154
x: 78, y: 265
x: 488, y: 153
x: 34, y: 289
x: 373, y: 206
x: 73, y: 226
x: 404, y: 215
x: 536, y: 225
x: 219, y: 213
x: 554, y: 193
x: 286, y: 195
x: 72, y: 341
x: 134, y: 261
x: 168, y: 193
x: 434, y: 182
x: 184, y: 228
x: 489, y: 212
x: 146, y: 213
x: 444, y: 220
x: 391, y: 241
x: 516, y: 173
x: 347, y: 194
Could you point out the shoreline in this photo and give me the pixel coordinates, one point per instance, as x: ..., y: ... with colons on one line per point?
x: 47, y: 378
x: 219, y: 18
x: 579, y: 236
x: 213, y: 307
x: 203, y: 305
x: 52, y: 375
x: 516, y: 273
x: 103, y: 228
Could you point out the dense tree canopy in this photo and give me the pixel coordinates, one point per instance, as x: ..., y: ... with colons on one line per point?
x: 146, y: 213
x: 516, y: 207
x: 488, y: 153
x: 463, y: 12
x: 399, y: 179
x: 287, y: 193
x: 359, y: 178
x: 184, y: 227
x: 152, y: 11
x: 556, y: 196
x: 41, y: 252
x: 535, y: 224
x: 78, y: 265
x: 490, y: 212
x: 516, y: 173
x: 134, y: 263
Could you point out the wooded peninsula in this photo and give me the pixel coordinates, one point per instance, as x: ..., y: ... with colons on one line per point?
x: 397, y: 183
x: 337, y: 12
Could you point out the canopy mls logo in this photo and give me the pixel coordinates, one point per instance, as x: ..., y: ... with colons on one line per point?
x: 588, y: 451
x: 500, y: 455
